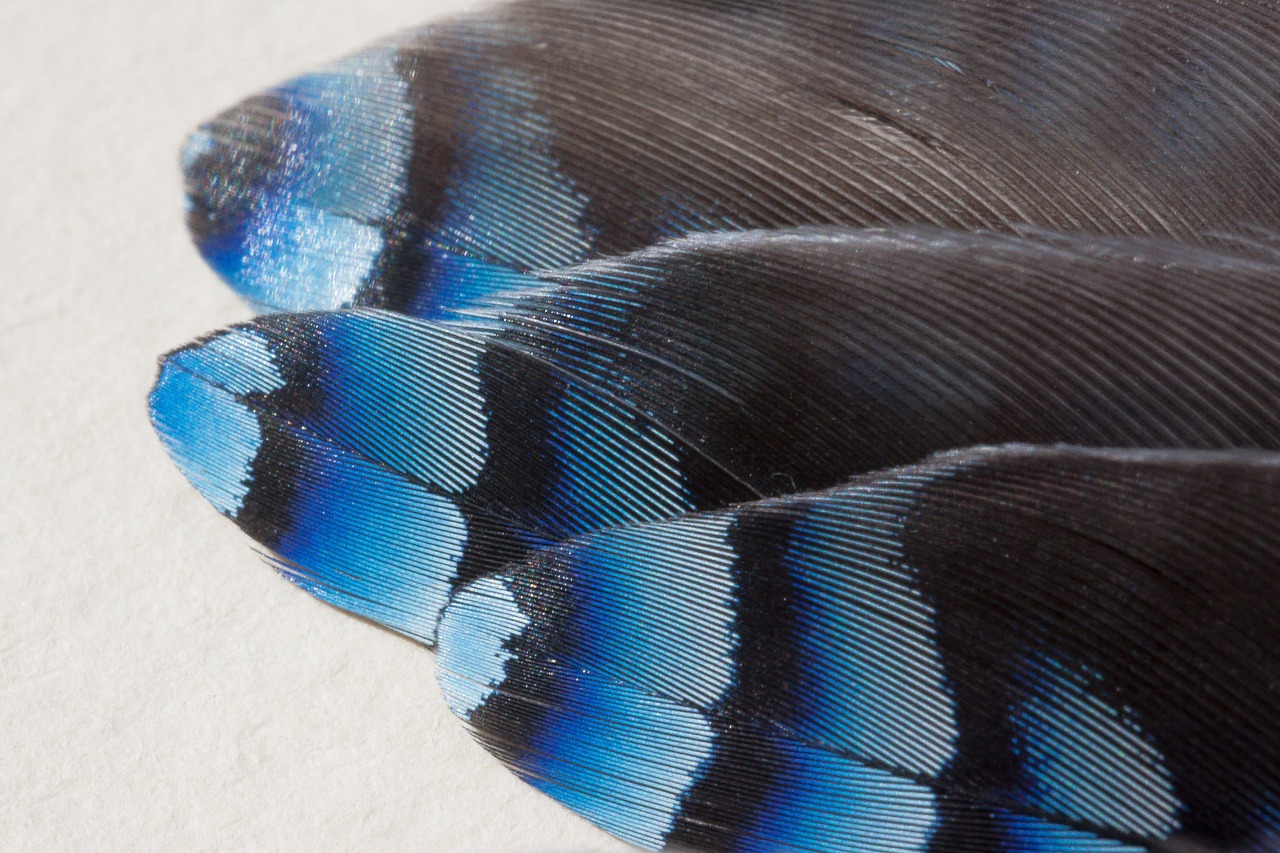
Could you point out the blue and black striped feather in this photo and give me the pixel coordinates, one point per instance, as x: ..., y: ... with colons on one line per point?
x: 383, y: 459
x: 430, y: 173
x: 999, y: 649
x: 800, y: 357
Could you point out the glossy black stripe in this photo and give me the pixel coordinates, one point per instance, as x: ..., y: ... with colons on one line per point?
x: 518, y: 478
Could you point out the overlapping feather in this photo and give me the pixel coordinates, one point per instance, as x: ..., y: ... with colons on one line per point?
x: 973, y: 653
x: 577, y: 472
x: 420, y: 175
x: 709, y: 371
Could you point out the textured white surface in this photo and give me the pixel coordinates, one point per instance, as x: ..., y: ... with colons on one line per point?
x: 160, y: 688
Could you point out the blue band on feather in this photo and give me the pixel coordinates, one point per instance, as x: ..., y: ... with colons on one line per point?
x: 294, y: 216
x: 506, y: 201
x: 1088, y: 760
x: 475, y: 635
x: 461, y: 287
x: 590, y: 759
x: 369, y: 540
x: 866, y: 637
x: 346, y: 457
x: 407, y: 391
x: 638, y: 614
x: 803, y: 818
x: 610, y: 463
x: 187, y: 411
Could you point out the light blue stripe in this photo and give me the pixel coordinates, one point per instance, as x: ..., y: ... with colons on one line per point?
x: 613, y: 468
x: 210, y: 434
x: 507, y: 200
x: 370, y: 541
x: 407, y: 393
x: 867, y: 639
x: 353, y: 135
x: 299, y: 257
x: 315, y: 230
x: 474, y: 642
x: 656, y: 605
x: 1090, y: 760
x: 463, y: 288
x: 618, y: 756
x: 622, y: 759
x: 1034, y: 835
x: 238, y: 360
x: 827, y: 803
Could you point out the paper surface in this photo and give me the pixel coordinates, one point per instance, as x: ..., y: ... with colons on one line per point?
x: 160, y: 687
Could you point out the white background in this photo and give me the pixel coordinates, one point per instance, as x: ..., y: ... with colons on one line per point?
x: 161, y: 688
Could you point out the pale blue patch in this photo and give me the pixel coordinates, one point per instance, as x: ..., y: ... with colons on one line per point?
x: 301, y: 257
x: 825, y: 803
x: 313, y: 234
x: 209, y: 433
x: 619, y: 757
x: 238, y: 360
x: 1089, y: 759
x: 607, y: 747
x: 407, y: 392
x: 507, y: 201
x: 867, y: 642
x: 614, y: 468
x: 506, y: 208
x: 474, y: 638
x: 370, y: 541
x: 1033, y: 835
x: 353, y: 138
x: 656, y: 605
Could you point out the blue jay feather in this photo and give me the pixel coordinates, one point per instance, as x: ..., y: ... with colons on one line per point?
x: 820, y: 426
x: 428, y: 174
x: 381, y: 458
x: 999, y: 649
x: 384, y: 458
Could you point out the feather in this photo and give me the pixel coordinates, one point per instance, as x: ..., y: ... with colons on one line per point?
x: 383, y: 459
x: 999, y: 649
x: 799, y: 358
x: 432, y: 172
x: 380, y: 459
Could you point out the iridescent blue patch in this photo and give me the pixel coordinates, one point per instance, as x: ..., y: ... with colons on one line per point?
x: 461, y: 287
x: 299, y: 184
x: 1090, y: 760
x: 620, y: 757
x: 210, y: 433
x: 644, y: 613
x: 866, y: 638
x: 831, y: 798
x: 407, y: 391
x: 613, y: 468
x: 507, y: 200
x: 370, y: 540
